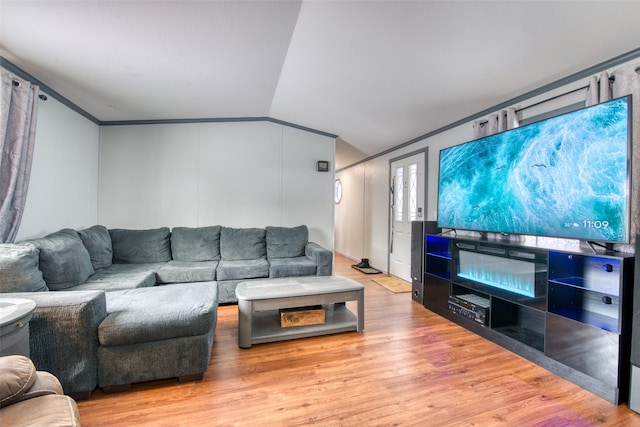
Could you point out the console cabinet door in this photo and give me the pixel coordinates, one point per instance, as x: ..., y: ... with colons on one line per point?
x: 588, y: 349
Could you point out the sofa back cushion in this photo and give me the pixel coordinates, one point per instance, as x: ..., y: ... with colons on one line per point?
x: 98, y: 243
x: 242, y: 243
x: 286, y: 242
x: 64, y: 261
x: 140, y: 246
x: 19, y: 270
x: 195, y: 244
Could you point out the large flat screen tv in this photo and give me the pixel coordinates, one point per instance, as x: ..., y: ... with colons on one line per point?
x: 566, y: 177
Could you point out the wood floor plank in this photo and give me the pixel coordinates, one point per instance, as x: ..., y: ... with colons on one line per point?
x: 409, y: 367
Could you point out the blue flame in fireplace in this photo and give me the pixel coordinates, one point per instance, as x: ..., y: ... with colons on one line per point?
x: 510, y: 275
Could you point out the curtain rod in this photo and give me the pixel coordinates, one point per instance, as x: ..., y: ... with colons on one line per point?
x: 18, y: 83
x: 544, y: 101
x: 611, y: 80
x: 535, y: 104
x: 9, y: 66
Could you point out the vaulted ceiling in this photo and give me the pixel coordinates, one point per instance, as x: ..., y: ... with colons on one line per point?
x: 376, y: 73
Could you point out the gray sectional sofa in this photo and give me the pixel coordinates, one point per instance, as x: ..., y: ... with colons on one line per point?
x: 118, y: 306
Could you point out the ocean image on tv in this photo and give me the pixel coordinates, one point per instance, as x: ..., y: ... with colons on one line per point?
x: 561, y: 177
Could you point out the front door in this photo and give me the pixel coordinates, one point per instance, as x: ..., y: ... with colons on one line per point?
x: 407, y: 204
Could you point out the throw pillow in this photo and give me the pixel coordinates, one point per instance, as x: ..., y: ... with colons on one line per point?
x: 242, y: 243
x: 286, y: 242
x: 195, y: 244
x: 64, y: 261
x: 19, y: 270
x: 98, y: 242
x: 141, y: 246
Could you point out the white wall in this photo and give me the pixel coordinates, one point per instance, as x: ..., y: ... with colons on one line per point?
x: 63, y: 189
x: 148, y: 175
x: 237, y: 174
x: 373, y: 181
x: 307, y: 195
x: 349, y: 227
x: 377, y: 206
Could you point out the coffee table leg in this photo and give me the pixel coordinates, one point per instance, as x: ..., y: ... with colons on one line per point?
x: 360, y: 311
x: 245, y: 311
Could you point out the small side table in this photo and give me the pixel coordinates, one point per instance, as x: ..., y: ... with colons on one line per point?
x: 15, y: 314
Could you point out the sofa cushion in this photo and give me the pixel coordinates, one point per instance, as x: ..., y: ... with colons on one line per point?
x: 140, y: 246
x: 195, y: 244
x: 186, y: 271
x: 19, y: 270
x: 286, y: 242
x: 98, y: 243
x: 64, y: 261
x: 121, y: 276
x: 242, y: 269
x: 242, y: 243
x: 160, y: 313
x: 289, y: 267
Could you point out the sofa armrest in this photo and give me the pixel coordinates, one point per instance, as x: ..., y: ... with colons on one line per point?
x: 321, y: 256
x: 63, y: 336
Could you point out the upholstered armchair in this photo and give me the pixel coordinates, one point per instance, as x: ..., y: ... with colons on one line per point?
x: 32, y: 398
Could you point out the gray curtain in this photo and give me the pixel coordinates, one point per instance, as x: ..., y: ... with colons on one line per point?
x: 627, y: 81
x: 599, y: 89
x: 497, y: 122
x: 17, y: 135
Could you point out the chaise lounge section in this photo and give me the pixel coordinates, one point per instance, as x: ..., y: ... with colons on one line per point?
x: 153, y: 333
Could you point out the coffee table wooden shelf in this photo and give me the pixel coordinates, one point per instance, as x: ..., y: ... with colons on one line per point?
x: 259, y: 303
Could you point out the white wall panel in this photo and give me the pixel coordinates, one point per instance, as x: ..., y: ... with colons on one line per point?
x: 377, y: 208
x: 349, y: 213
x: 307, y: 195
x: 236, y: 174
x: 63, y: 189
x: 240, y: 172
x: 148, y: 175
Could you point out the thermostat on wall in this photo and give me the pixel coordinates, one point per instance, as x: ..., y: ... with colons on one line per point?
x: 322, y: 166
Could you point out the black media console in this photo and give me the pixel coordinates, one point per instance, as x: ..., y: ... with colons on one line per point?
x: 569, y: 312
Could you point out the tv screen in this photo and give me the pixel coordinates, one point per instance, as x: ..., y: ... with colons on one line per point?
x: 566, y: 177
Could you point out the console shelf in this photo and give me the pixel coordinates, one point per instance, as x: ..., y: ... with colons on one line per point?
x: 590, y: 318
x: 437, y: 267
x: 266, y: 325
x: 569, y: 312
x: 521, y: 323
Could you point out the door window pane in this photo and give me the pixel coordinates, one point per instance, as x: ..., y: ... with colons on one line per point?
x: 413, y: 191
x: 399, y: 195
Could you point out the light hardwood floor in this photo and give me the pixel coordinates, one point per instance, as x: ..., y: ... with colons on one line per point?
x: 409, y: 367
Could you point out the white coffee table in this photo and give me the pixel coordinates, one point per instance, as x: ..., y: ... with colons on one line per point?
x: 259, y: 302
